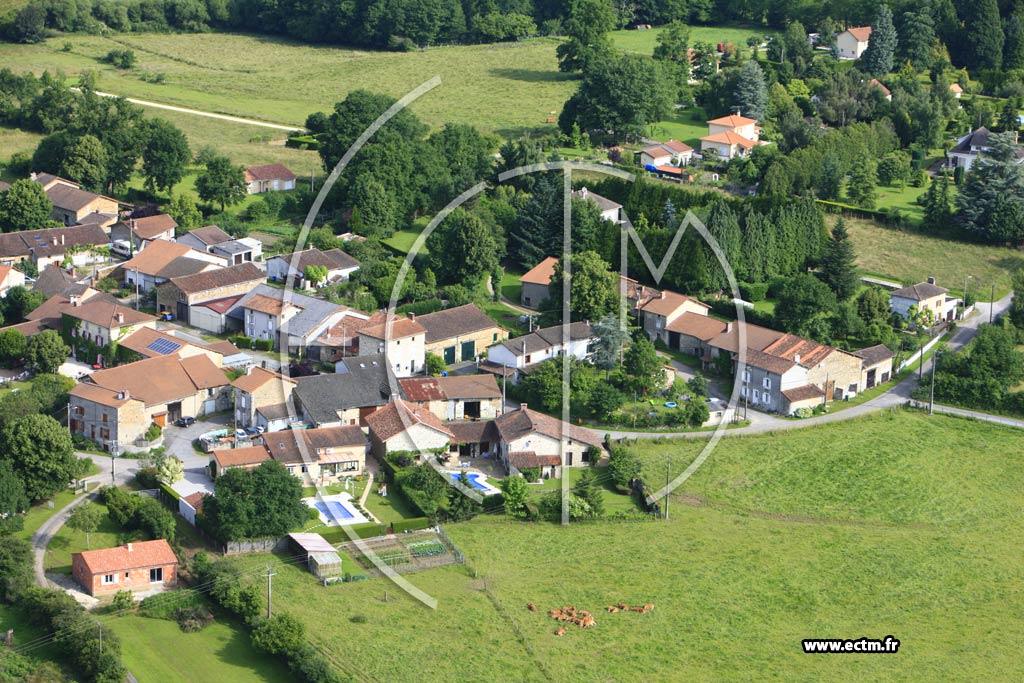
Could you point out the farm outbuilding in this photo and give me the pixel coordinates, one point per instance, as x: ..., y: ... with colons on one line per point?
x: 324, y: 565
x: 322, y: 559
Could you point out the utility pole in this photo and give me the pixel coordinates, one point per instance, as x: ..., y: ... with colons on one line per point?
x: 668, y: 475
x: 100, y: 624
x: 992, y: 305
x: 136, y: 288
x: 504, y: 381
x: 113, y: 454
x: 931, y: 391
x: 270, y: 591
x: 634, y: 409
x: 966, y: 278
x: 69, y: 417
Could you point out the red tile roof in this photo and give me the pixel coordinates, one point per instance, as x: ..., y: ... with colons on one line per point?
x: 257, y: 377
x: 268, y: 172
x: 668, y: 303
x: 397, y: 416
x: 860, y: 33
x: 804, y: 393
x: 454, y: 387
x: 397, y: 328
x: 524, y: 421
x: 541, y: 273
x: 728, y: 137
x: 523, y: 459
x: 240, y: 457
x: 138, y: 555
x: 701, y: 327
x: 732, y: 120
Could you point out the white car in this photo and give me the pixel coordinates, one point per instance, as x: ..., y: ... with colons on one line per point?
x: 121, y: 248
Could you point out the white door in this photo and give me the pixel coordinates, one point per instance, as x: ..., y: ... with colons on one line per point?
x: 210, y: 406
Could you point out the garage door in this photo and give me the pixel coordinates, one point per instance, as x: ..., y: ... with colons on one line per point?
x: 210, y: 406
x: 449, y: 354
x: 468, y: 350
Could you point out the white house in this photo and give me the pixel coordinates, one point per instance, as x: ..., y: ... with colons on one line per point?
x: 610, y: 211
x: 269, y: 178
x: 402, y: 340
x: 531, y: 439
x: 926, y: 296
x: 972, y: 146
x: 671, y: 153
x: 284, y: 267
x: 399, y: 427
x: 853, y: 41
x: 541, y: 345
x: 730, y: 136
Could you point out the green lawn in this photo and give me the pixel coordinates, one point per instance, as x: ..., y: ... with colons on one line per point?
x: 645, y: 41
x: 38, y: 514
x: 504, y: 316
x: 13, y: 140
x: 394, y: 508
x: 68, y: 541
x: 403, y: 240
x: 156, y: 651
x: 910, y: 257
x: 686, y: 125
x: 893, y: 524
x: 510, y: 286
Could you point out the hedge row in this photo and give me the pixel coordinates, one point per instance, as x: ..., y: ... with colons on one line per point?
x: 303, y: 142
x: 263, y: 344
x: 242, y: 342
x: 413, y: 524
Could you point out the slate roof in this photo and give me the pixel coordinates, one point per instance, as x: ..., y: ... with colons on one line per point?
x: 522, y: 422
x: 919, y: 292
x: 603, y: 203
x: 366, y: 382
x: 142, y: 554
x: 219, y: 277
x: 547, y: 337
x: 41, y: 242
x: 873, y: 355
x: 397, y: 416
x: 332, y: 259
x: 314, y: 311
x: 455, y: 322
x: 210, y: 235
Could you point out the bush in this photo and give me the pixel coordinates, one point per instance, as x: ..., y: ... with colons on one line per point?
x: 146, y: 477
x: 753, y: 291
x: 263, y: 344
x: 193, y: 618
x: 282, y: 634
x: 122, y: 59
x: 803, y: 412
x: 413, y: 524
x: 242, y: 342
x: 153, y: 433
x: 312, y: 667
x: 358, y: 619
x: 530, y: 473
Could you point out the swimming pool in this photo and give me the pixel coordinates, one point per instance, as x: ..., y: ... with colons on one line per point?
x: 333, y: 509
x: 477, y: 480
x: 336, y: 510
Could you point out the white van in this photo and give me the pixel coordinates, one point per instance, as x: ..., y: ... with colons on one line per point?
x: 121, y: 248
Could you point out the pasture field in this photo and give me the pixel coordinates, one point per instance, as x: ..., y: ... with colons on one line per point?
x: 911, y: 257
x: 508, y: 88
x: 894, y: 524
x: 645, y: 41
x: 156, y: 650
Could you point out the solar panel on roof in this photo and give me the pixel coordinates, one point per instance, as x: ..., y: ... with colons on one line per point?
x: 163, y: 346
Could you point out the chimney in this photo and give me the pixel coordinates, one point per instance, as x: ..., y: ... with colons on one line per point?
x: 931, y: 281
x: 125, y: 395
x: 661, y: 294
x: 73, y: 299
x: 796, y: 358
x: 120, y: 318
x: 584, y: 192
x: 54, y: 240
x: 522, y: 406
x: 130, y: 548
x: 62, y: 238
x: 412, y: 316
x: 728, y: 327
x: 33, y: 175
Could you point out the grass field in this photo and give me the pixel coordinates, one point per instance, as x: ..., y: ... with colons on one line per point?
x: 911, y: 257
x: 508, y: 87
x: 685, y: 125
x: 156, y: 650
x: 893, y: 524
x: 645, y: 41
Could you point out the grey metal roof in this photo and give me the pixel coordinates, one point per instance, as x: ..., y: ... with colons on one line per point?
x: 314, y: 311
x: 365, y: 381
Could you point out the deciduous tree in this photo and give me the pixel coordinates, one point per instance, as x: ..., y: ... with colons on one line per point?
x: 39, y: 449
x: 24, y: 206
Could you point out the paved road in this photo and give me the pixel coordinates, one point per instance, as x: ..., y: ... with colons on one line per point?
x: 899, y: 395
x: 208, y: 114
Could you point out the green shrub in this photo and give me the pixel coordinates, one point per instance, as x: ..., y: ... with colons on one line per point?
x: 530, y: 473
x: 413, y: 524
x: 803, y: 412
x: 263, y: 344
x: 753, y: 291
x: 242, y: 342
x: 153, y: 432
x: 357, y: 619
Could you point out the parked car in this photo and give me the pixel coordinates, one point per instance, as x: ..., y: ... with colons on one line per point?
x: 167, y: 315
x: 185, y: 421
x: 121, y: 248
x: 254, y: 431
